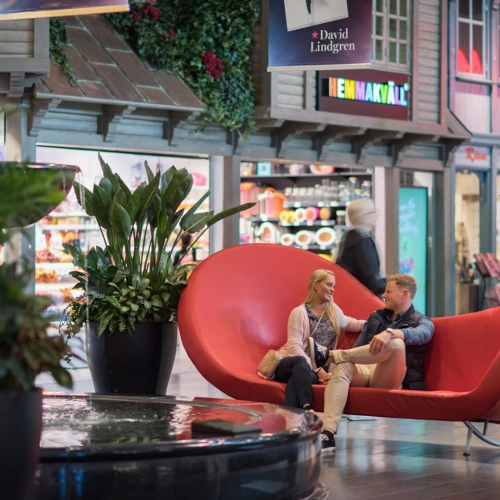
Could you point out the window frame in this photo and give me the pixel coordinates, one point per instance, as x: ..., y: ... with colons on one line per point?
x: 386, y: 39
x: 486, y: 28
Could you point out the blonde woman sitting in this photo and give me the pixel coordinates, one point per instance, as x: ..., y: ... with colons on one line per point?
x: 313, y: 329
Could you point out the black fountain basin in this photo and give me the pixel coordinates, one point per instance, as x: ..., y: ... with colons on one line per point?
x: 107, y: 447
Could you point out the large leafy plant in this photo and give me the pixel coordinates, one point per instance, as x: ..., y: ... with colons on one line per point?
x: 133, y: 278
x: 26, y: 348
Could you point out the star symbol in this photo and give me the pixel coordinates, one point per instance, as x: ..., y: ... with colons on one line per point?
x: 315, y: 34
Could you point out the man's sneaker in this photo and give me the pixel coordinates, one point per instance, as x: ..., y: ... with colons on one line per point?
x: 327, y: 441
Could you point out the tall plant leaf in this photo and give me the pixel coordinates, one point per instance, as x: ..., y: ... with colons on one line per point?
x: 186, y: 221
x: 124, y: 187
x: 106, y: 170
x: 120, y: 221
x: 149, y: 172
x: 228, y: 213
x: 148, y: 195
x: 176, y: 192
x: 84, y: 197
x: 199, y: 221
x: 107, y: 185
x: 120, y: 198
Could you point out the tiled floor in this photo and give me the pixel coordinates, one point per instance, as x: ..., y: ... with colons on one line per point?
x: 383, y: 458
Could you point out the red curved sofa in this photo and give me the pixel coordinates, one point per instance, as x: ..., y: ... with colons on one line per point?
x: 236, y: 305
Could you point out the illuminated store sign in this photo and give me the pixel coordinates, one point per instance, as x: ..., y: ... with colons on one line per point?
x: 380, y: 93
x: 472, y: 156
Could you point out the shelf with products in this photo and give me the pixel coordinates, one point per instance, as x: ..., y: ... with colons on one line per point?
x: 70, y: 227
x: 299, y: 205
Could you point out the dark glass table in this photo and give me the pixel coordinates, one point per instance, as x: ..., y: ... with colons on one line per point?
x: 127, y: 447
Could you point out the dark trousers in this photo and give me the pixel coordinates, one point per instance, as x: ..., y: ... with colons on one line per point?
x: 299, y: 378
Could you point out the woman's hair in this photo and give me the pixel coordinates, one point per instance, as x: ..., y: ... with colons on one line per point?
x: 317, y: 277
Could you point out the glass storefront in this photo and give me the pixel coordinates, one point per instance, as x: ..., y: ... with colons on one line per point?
x: 467, y: 239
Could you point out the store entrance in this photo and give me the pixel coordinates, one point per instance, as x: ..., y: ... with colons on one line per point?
x: 467, y: 238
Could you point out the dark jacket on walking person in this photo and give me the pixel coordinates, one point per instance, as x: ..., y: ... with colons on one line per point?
x: 358, y: 254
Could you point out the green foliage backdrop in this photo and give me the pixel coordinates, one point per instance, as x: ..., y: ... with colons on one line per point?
x: 208, y: 43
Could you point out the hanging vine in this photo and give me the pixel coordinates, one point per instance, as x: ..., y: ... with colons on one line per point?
x: 57, y: 41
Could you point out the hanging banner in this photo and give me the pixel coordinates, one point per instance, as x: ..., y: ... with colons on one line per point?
x: 31, y: 9
x: 319, y: 34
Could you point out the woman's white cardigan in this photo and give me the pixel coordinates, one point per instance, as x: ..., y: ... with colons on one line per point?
x: 299, y: 331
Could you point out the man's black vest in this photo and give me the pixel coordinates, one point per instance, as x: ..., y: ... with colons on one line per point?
x: 415, y: 354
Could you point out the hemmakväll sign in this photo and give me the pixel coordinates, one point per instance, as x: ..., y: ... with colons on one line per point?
x: 319, y: 34
x: 32, y: 9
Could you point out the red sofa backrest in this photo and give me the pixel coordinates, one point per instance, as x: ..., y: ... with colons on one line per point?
x: 237, y: 302
x: 462, y: 349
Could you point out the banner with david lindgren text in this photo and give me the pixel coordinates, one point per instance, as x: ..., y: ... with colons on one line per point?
x: 319, y: 34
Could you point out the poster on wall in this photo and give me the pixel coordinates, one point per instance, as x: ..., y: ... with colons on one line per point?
x: 319, y: 34
x: 413, y: 205
x: 31, y: 9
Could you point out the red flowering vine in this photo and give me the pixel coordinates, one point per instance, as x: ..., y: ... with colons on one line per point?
x: 212, y: 64
x: 148, y: 9
x: 136, y: 15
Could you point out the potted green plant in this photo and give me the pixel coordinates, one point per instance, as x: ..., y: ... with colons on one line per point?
x: 27, y: 193
x: 131, y: 286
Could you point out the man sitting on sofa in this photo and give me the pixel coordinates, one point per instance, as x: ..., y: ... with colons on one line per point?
x: 388, y: 354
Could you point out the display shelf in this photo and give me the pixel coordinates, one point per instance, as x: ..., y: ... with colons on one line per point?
x: 55, y: 286
x: 316, y: 223
x: 55, y: 265
x: 263, y: 178
x: 69, y: 214
x: 69, y: 227
x: 319, y: 204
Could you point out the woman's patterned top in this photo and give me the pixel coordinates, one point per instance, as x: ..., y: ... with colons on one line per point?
x: 325, y: 335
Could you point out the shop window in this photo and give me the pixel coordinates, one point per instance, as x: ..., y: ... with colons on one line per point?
x: 471, y: 37
x: 391, y: 32
x: 467, y: 239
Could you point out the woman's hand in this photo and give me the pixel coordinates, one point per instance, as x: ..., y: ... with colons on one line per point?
x: 323, y: 376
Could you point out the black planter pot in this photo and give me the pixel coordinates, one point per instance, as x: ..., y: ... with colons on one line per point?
x: 137, y: 363
x: 20, y: 430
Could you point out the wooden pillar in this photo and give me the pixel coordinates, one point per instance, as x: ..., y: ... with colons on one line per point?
x: 224, y: 193
x: 391, y: 220
x: 444, y: 244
